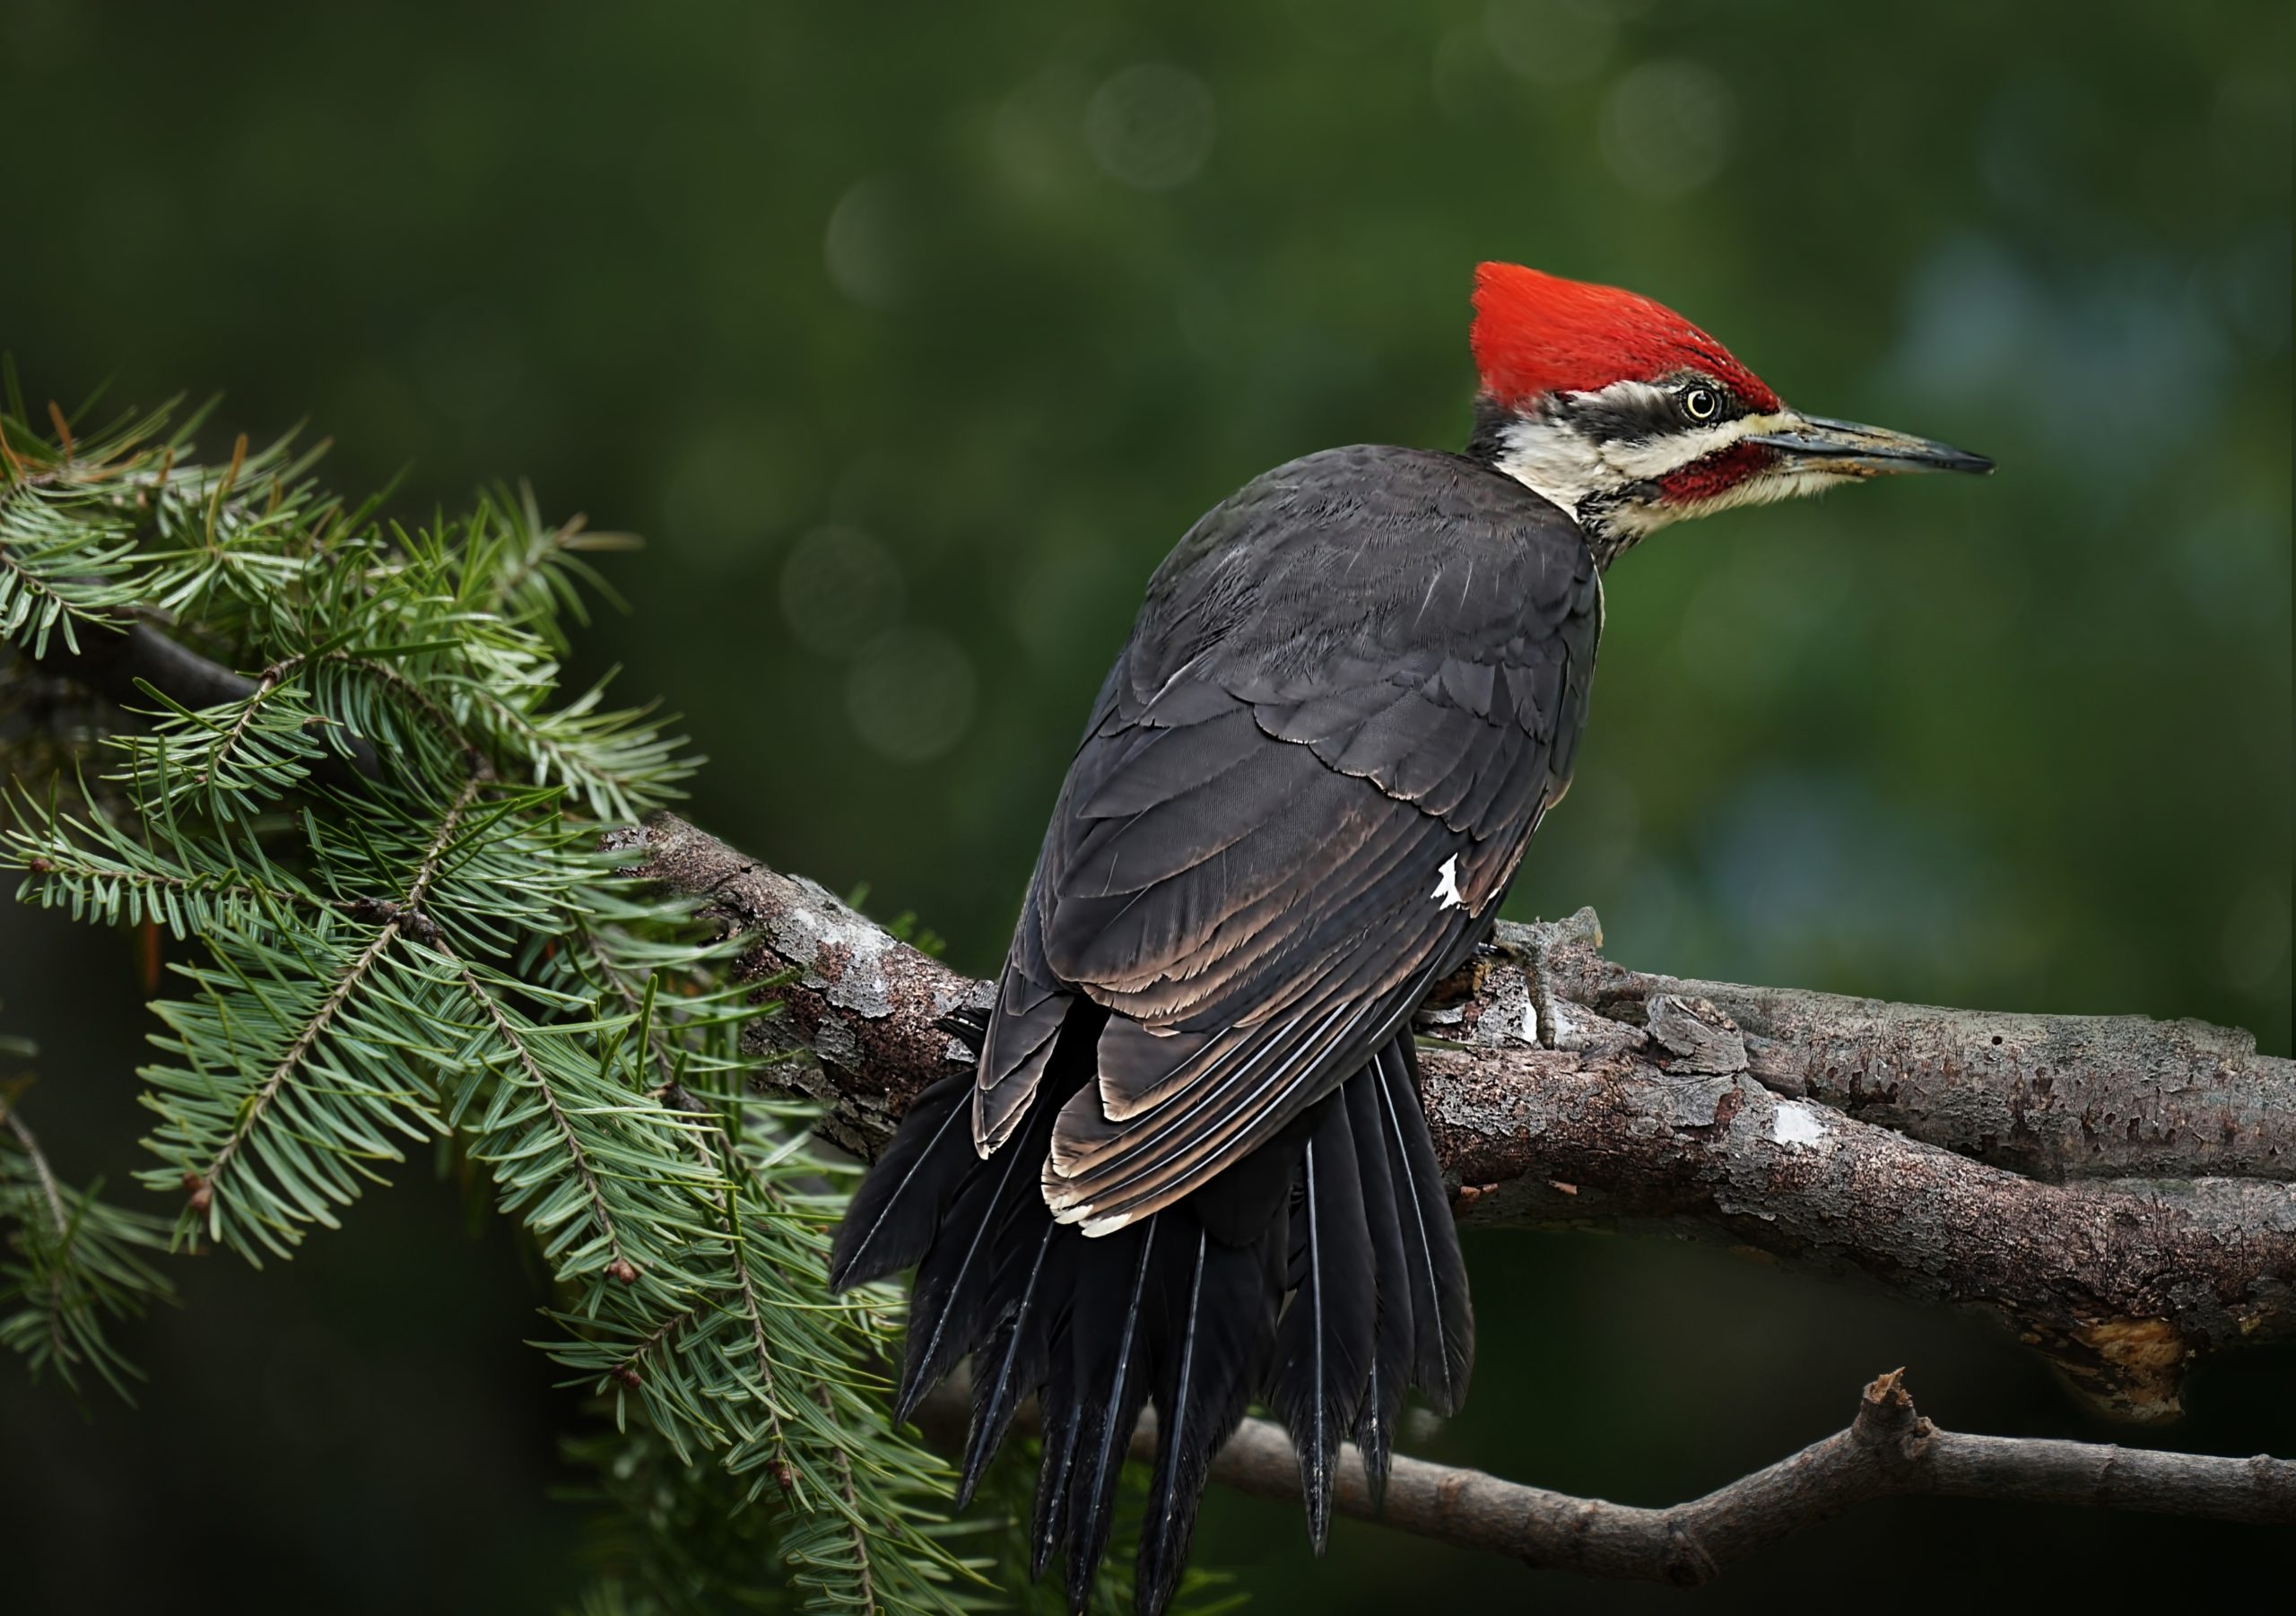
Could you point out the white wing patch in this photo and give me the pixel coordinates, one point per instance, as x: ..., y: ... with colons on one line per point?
x: 1446, y: 885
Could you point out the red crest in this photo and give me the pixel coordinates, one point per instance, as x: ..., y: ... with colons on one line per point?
x: 1537, y: 334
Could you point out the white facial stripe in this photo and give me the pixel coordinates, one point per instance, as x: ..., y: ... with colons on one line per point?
x: 1649, y: 462
x: 1640, y: 521
x: 1552, y: 457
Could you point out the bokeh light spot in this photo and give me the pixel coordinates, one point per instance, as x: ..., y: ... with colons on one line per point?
x: 1151, y: 125
x: 865, y: 249
x: 910, y: 694
x: 734, y: 485
x: 1032, y: 145
x: 1666, y: 127
x: 1553, y: 42
x: 840, y: 586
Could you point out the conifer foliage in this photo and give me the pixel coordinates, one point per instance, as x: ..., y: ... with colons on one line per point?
x: 367, y: 817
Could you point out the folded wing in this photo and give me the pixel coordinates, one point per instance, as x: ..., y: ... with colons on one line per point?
x: 1275, y: 837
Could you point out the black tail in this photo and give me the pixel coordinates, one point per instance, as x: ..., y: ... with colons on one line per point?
x: 1321, y: 1273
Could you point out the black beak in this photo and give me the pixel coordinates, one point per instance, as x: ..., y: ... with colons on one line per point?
x: 1844, y: 448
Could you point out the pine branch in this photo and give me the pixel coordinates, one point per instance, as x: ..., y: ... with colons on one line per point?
x: 93, y: 868
x: 377, y: 843
x: 59, y: 1223
x: 76, y: 1265
x: 618, y: 1264
x: 201, y: 1182
x: 861, y: 1545
x: 205, y: 1180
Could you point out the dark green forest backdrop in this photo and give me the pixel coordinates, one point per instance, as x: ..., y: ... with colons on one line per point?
x: 911, y: 335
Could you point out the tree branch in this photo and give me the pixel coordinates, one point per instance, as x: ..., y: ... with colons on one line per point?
x: 2050, y: 1096
x: 1546, y: 1110
x: 1838, y: 1134
x: 113, y: 661
x: 1887, y: 1451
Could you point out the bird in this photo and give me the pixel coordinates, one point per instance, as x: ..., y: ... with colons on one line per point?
x: 1190, y: 1168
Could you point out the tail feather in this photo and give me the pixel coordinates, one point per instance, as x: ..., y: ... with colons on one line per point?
x: 897, y: 1209
x: 1110, y: 1338
x: 1396, y: 1337
x: 1224, y: 1313
x: 1063, y: 1425
x: 1012, y: 1362
x: 1323, y: 1347
x: 959, y: 1290
x: 1322, y: 1273
x: 946, y: 1315
x: 1443, y: 1317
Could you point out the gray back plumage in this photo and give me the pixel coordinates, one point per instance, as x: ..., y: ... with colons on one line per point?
x: 1352, y: 690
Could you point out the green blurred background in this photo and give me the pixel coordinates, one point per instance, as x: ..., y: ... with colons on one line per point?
x: 912, y: 334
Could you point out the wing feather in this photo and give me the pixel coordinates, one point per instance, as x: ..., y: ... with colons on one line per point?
x: 1106, y: 1175
x: 1308, y: 783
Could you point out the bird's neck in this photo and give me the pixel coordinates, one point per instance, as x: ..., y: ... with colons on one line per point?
x: 1609, y: 522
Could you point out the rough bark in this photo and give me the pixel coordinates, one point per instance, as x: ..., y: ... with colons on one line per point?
x: 2120, y: 1289
x: 2050, y: 1097
x: 1558, y: 1099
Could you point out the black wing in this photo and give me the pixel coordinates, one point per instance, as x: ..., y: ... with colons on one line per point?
x: 1354, y: 690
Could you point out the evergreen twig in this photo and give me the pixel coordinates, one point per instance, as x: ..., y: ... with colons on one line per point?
x: 374, y: 852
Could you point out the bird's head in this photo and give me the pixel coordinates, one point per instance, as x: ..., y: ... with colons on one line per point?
x: 1629, y: 417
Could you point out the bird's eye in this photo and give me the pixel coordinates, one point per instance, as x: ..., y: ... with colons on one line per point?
x: 1702, y: 403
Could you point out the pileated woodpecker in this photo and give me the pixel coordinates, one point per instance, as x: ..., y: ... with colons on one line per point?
x: 1191, y: 1168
